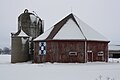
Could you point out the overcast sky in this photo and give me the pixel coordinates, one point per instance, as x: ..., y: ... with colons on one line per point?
x: 101, y: 15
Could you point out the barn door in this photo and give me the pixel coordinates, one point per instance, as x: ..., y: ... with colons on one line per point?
x: 90, y: 56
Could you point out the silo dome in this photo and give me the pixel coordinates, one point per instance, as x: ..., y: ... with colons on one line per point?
x: 30, y: 23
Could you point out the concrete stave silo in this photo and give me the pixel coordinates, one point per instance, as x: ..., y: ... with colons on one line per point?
x: 20, y: 48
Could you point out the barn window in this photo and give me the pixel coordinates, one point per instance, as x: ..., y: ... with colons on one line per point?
x: 72, y: 53
x: 100, y: 53
x: 42, y: 48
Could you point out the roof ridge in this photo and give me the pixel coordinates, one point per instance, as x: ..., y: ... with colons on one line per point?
x: 59, y: 26
x: 79, y: 27
x: 63, y: 21
x: 81, y: 23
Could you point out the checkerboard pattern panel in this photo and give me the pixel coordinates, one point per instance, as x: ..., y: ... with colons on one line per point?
x: 42, y: 48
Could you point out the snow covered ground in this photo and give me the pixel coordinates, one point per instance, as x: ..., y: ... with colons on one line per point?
x: 4, y: 59
x: 59, y: 71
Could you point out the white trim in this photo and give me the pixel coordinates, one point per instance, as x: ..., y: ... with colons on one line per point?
x: 89, y: 51
x: 100, y: 53
x: 72, y: 53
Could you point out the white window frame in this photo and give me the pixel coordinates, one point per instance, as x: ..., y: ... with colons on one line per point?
x: 72, y: 53
x: 100, y: 53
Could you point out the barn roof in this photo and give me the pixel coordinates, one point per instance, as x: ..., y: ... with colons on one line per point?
x: 71, y: 28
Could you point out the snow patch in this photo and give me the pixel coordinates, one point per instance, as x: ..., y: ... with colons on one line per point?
x: 33, y: 18
x: 114, y: 60
x: 22, y: 34
x: 37, y: 20
x: 24, y: 40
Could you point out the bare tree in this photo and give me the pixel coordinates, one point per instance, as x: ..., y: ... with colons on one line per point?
x: 0, y: 51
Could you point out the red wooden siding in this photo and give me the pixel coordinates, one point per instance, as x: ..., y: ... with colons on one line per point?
x: 96, y: 47
x: 59, y: 51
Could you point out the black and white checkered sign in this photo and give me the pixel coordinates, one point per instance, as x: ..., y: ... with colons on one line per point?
x: 42, y: 48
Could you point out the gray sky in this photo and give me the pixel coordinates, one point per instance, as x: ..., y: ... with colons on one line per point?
x: 101, y: 15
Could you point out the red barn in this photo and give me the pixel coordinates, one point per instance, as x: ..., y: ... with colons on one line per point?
x: 70, y: 40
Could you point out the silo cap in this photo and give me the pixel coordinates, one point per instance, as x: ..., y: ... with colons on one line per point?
x: 26, y: 11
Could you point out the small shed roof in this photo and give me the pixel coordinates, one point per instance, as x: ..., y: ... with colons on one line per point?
x: 20, y: 33
x: 114, y: 47
x: 71, y: 28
